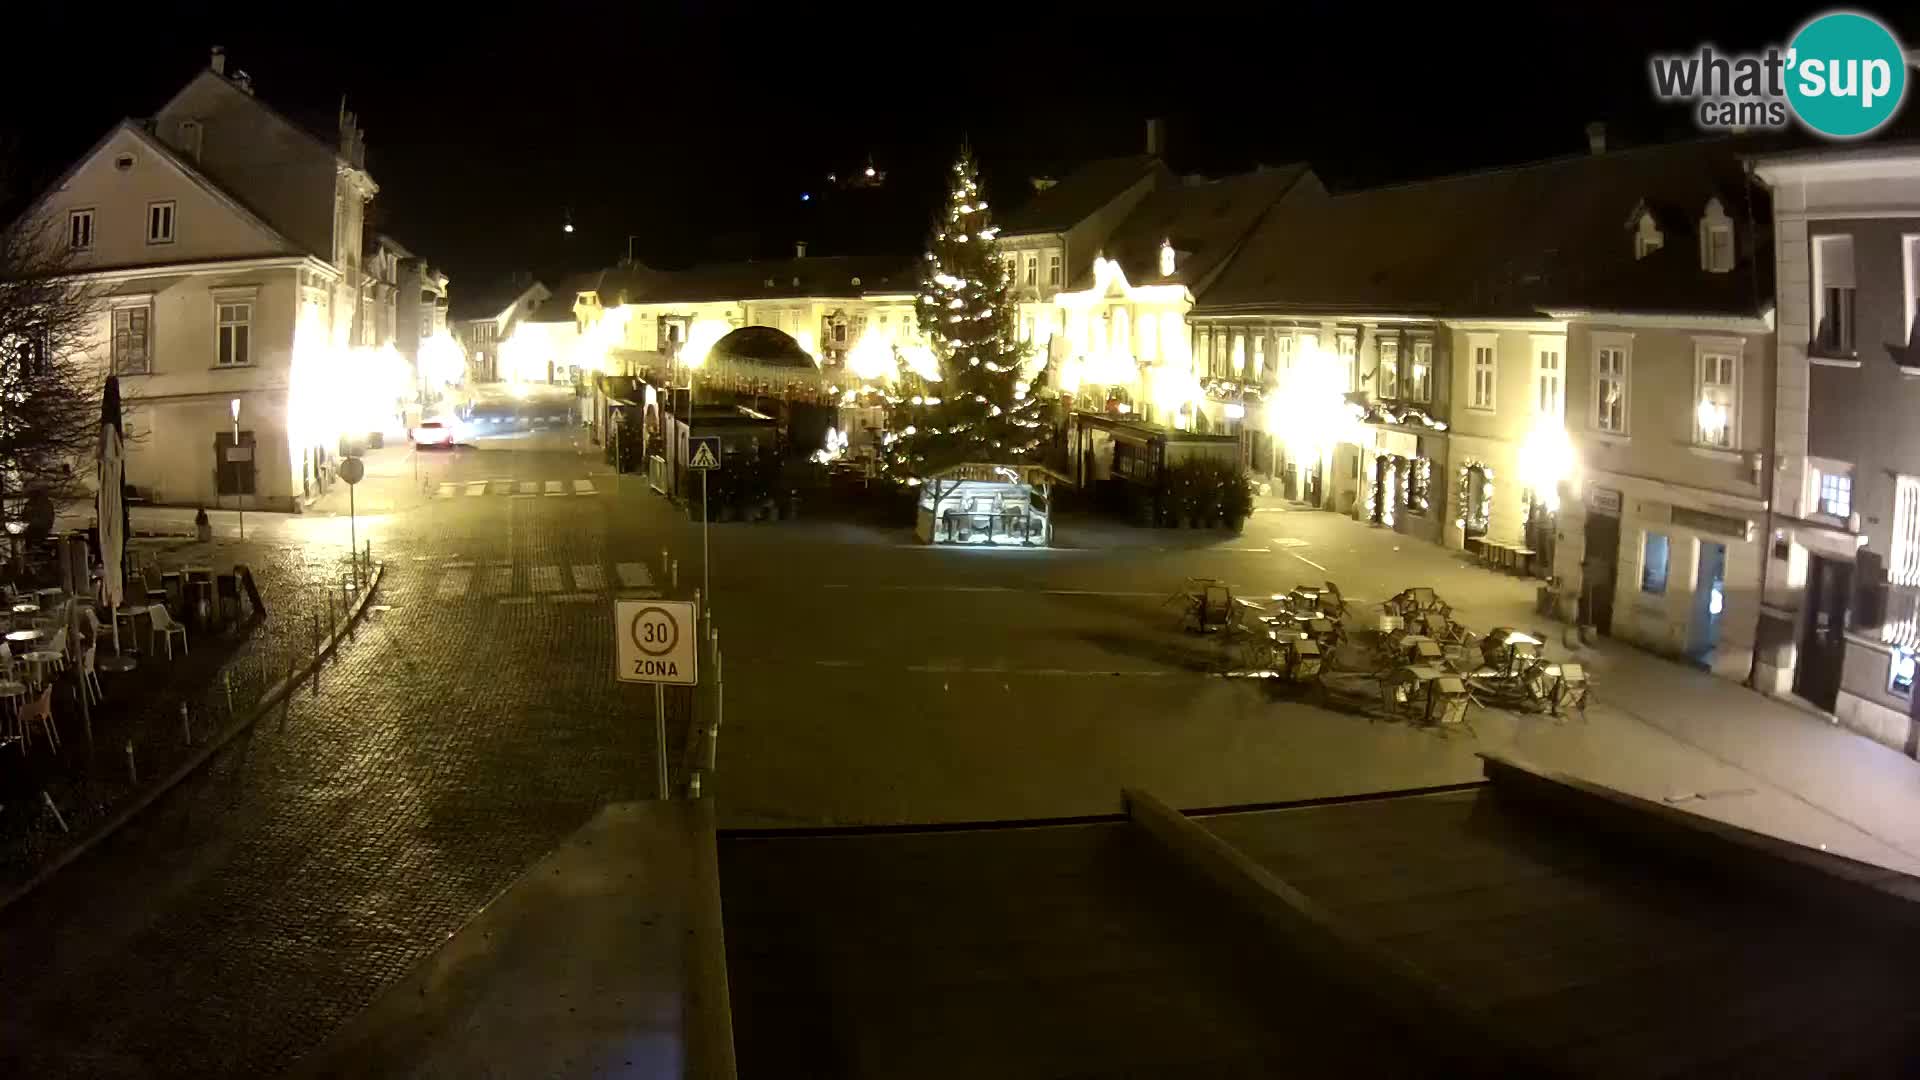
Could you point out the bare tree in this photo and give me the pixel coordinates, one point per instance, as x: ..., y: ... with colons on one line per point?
x: 49, y: 388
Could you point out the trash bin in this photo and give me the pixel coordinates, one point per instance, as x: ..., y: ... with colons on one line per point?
x: 227, y: 590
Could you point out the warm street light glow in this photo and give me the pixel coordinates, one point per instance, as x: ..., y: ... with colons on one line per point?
x: 1546, y: 460
x: 1308, y: 411
x: 871, y: 358
x: 702, y: 336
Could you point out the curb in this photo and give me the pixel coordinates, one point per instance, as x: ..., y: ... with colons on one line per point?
x: 273, y: 696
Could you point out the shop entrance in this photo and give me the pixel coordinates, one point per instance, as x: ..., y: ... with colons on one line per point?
x: 1823, y: 641
x: 1709, y: 600
x: 1599, y: 570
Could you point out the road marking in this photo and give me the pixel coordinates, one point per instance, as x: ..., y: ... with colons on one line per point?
x: 528, y: 487
x: 501, y: 487
x: 476, y: 487
x: 589, y: 577
x: 458, y: 566
x: 633, y: 575
x: 544, y: 578
x: 454, y: 585
x: 1288, y: 542
x: 499, y: 581
x: 553, y: 488
x: 1262, y: 551
x: 583, y: 487
x: 1309, y: 562
x: 836, y: 586
x: 516, y: 599
x: 573, y: 598
x: 448, y: 490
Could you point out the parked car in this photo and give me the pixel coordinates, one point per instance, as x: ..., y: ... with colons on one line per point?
x: 433, y: 433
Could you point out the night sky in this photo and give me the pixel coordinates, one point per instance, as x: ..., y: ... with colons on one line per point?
x: 694, y: 129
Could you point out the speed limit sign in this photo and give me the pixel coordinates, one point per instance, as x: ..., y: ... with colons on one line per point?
x: 654, y: 641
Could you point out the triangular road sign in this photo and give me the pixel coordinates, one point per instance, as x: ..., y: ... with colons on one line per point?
x: 703, y: 457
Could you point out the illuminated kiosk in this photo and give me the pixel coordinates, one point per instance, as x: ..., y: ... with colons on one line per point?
x: 986, y: 505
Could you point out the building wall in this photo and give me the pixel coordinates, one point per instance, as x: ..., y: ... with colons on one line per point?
x: 205, y: 226
x: 1491, y: 437
x: 174, y: 413
x: 1085, y: 239
x: 1865, y: 703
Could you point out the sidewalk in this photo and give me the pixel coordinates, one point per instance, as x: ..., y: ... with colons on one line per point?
x: 1657, y: 729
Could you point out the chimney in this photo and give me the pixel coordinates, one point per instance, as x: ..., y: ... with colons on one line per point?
x: 219, y: 62
x: 1156, y: 144
x: 799, y: 249
x: 1597, y: 138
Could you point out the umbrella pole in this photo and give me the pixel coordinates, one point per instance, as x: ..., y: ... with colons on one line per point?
x: 116, y: 629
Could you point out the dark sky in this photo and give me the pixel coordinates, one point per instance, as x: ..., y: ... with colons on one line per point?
x: 695, y: 128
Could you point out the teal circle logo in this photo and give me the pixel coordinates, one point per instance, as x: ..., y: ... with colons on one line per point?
x: 1846, y: 74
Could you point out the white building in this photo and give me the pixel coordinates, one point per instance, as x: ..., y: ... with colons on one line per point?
x: 225, y: 242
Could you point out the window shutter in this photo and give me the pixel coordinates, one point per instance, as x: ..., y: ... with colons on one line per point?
x: 1836, y: 261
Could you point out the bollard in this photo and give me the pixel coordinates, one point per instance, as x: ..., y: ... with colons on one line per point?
x: 133, y: 774
x: 227, y: 677
x: 663, y: 562
x: 186, y: 725
x: 676, y: 573
x: 58, y: 820
x: 329, y: 615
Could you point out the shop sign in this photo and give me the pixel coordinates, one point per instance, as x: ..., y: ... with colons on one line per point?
x: 1603, y: 500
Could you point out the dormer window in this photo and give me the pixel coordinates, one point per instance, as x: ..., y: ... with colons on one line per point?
x: 1716, y: 239
x: 1647, y: 237
x: 1166, y: 258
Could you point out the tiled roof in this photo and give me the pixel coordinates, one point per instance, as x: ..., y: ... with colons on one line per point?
x: 1073, y: 199
x: 841, y: 275
x: 1204, y: 220
x: 1552, y: 235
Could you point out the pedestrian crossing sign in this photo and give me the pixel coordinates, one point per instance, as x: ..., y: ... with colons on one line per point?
x: 706, y: 452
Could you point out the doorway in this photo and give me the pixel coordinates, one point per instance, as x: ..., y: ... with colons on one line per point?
x: 1709, y: 601
x: 1823, y: 640
x: 1599, y: 571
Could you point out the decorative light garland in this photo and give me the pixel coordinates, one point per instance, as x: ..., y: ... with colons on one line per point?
x: 1469, y: 521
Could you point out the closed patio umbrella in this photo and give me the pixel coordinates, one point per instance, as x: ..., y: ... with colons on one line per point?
x: 112, y: 513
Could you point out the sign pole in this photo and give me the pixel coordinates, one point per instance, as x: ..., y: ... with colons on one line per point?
x: 706, y: 547
x: 353, y: 530
x: 660, y: 740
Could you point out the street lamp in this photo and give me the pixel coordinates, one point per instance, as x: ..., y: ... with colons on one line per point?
x: 233, y: 407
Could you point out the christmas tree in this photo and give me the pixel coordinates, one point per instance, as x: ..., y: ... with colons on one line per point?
x: 981, y: 408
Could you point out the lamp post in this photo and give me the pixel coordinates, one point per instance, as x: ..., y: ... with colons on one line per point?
x: 239, y: 498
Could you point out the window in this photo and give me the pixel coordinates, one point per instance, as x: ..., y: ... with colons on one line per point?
x: 1239, y: 353
x: 1900, y: 673
x: 1166, y: 258
x: 1549, y: 382
x: 1420, y: 373
x: 1346, y: 347
x: 1259, y: 355
x: 1387, y: 381
x: 1647, y: 237
x: 160, y: 222
x: 235, y: 328
x: 1485, y: 367
x: 1833, y: 288
x: 1013, y: 268
x: 1610, y: 387
x: 1836, y: 494
x: 1033, y: 269
x: 1283, y: 351
x: 80, y: 229
x: 1653, y: 563
x: 1716, y: 239
x: 1717, y: 397
x: 1910, y: 251
x: 1903, y: 566
x: 1053, y: 270
x: 131, y: 337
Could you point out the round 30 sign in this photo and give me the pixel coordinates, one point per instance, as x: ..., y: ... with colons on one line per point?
x: 654, y: 641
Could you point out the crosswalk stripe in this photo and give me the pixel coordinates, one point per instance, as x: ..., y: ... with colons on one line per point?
x: 634, y: 575
x: 553, y: 488
x: 454, y: 585
x: 528, y: 487
x: 476, y: 487
x: 448, y: 489
x: 583, y: 487
x: 545, y: 578
x: 499, y: 580
x: 573, y: 598
x: 587, y: 577
x: 516, y: 599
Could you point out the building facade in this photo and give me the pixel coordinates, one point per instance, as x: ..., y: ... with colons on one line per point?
x: 1842, y: 621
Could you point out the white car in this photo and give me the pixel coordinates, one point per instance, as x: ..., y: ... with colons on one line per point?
x: 433, y: 433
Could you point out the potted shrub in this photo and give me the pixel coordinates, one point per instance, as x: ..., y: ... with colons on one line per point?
x: 202, y: 528
x: 1236, y: 501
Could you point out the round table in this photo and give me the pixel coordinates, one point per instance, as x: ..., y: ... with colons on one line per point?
x: 25, y: 635
x: 24, y: 608
x: 41, y: 658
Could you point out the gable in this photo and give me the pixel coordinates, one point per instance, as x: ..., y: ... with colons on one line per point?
x: 207, y: 224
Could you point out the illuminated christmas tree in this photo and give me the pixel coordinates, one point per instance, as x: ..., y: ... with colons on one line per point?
x: 982, y: 407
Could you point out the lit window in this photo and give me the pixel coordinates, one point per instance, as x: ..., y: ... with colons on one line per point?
x: 1716, y: 397
x: 1716, y: 239
x: 1653, y: 564
x: 1900, y: 673
x: 1647, y: 237
x: 131, y: 355
x: 1910, y: 256
x: 1053, y: 270
x: 160, y: 222
x: 1550, y: 391
x: 1903, y: 563
x: 1485, y: 371
x: 1833, y: 289
x: 1166, y: 259
x: 1259, y: 355
x: 1239, y: 352
x: 1387, y: 380
x: 1610, y: 389
x: 1420, y: 373
x: 1282, y: 351
x: 1346, y: 347
x: 1836, y: 494
x: 235, y: 327
x: 80, y: 229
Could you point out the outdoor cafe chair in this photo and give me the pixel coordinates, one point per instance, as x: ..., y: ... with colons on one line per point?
x: 1331, y: 601
x: 40, y: 711
x: 89, y: 678
x: 164, y: 625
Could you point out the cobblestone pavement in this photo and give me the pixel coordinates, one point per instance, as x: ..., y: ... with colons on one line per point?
x: 452, y: 744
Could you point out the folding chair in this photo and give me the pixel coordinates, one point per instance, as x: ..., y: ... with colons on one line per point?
x: 164, y: 626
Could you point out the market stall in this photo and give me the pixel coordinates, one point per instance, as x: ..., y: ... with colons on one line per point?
x: 986, y: 505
